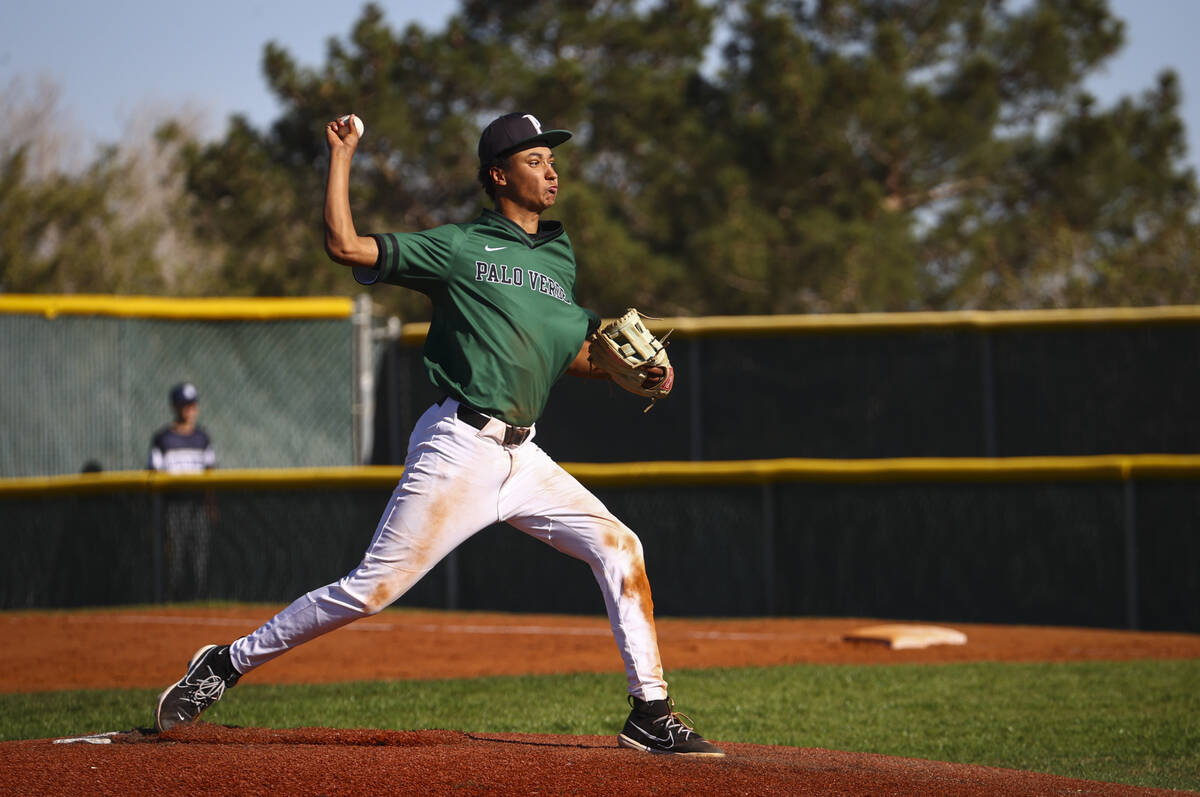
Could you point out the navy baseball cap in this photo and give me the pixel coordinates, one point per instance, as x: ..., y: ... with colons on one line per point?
x: 514, y: 132
x: 184, y: 393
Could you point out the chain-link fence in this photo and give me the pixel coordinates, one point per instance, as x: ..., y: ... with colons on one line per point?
x: 277, y: 388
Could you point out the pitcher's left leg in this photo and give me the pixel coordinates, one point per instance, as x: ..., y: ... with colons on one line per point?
x: 544, y: 501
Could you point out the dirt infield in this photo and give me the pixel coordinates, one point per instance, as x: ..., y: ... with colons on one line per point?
x: 147, y: 647
x: 64, y: 650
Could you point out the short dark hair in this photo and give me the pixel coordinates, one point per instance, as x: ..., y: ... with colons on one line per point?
x: 485, y: 175
x: 501, y: 161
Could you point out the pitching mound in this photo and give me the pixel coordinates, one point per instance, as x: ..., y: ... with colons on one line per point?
x: 210, y: 759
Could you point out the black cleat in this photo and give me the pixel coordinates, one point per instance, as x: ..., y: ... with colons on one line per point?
x: 209, y: 674
x: 655, y: 728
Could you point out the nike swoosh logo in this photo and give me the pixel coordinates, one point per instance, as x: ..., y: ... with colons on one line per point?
x: 663, y: 739
x: 493, y: 248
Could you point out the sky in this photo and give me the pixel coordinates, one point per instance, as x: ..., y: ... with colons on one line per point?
x: 123, y: 61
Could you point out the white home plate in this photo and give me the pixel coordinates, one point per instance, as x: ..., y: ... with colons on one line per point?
x: 95, y: 738
x: 903, y: 637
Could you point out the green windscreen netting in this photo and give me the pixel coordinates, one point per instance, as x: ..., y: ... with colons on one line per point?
x: 273, y: 393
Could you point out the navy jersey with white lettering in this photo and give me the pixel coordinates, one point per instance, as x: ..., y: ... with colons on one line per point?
x: 173, y: 452
x: 505, y: 324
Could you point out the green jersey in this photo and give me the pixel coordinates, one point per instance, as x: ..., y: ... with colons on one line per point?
x: 505, y: 324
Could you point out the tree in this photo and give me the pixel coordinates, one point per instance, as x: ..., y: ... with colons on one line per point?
x: 425, y: 98
x: 1095, y: 213
x: 731, y: 156
x: 108, y: 226
x: 902, y: 145
x: 840, y: 155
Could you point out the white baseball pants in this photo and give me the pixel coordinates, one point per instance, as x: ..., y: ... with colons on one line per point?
x: 457, y: 481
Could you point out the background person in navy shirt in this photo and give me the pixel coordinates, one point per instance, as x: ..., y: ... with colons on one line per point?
x: 183, y: 446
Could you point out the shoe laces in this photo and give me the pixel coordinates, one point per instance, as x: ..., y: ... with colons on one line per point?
x: 207, y: 690
x: 678, y: 723
x: 673, y: 720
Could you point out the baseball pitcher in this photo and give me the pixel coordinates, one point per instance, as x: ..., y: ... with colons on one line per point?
x: 505, y: 327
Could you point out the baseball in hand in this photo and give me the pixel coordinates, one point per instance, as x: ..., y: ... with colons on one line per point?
x: 358, y: 123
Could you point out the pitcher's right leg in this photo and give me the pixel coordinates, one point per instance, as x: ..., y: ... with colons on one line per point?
x: 448, y: 493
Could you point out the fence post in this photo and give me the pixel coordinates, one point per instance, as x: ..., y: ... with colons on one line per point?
x: 451, y: 562
x: 695, y: 377
x: 1131, y: 567
x: 363, y: 388
x: 768, y: 563
x: 398, y: 402
x: 158, y: 531
x: 988, y: 388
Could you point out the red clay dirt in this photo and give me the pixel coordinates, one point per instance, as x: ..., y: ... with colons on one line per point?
x: 148, y: 647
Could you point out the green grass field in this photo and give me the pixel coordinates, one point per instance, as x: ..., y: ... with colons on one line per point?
x: 1129, y: 722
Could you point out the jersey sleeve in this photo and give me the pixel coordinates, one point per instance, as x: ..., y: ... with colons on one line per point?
x: 413, y: 260
x: 210, y: 453
x: 154, y: 460
x: 593, y: 321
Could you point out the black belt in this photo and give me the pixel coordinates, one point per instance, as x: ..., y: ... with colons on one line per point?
x: 513, y: 435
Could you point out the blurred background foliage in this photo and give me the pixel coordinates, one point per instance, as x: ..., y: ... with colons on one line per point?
x: 731, y: 156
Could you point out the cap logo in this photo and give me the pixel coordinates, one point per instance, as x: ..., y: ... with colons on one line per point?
x: 533, y: 121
